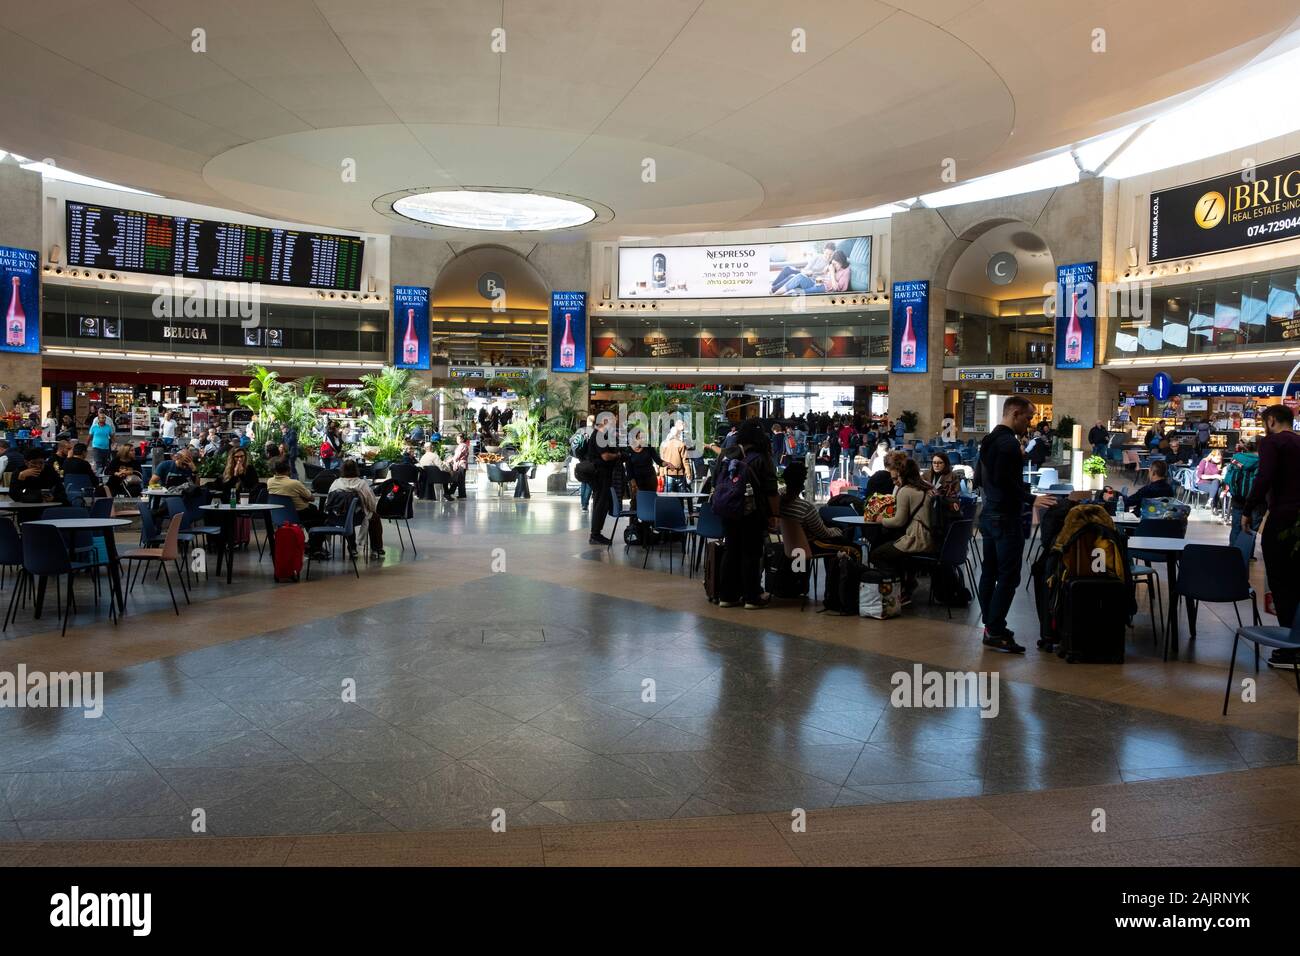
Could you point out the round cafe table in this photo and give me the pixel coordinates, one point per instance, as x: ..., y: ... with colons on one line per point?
x: 224, y: 515
x: 117, y: 598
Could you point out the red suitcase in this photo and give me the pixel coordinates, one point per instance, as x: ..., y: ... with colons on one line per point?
x: 290, y: 542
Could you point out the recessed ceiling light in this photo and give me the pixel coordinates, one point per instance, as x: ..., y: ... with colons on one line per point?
x: 493, y: 210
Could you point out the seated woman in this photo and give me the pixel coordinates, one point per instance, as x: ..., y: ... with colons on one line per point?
x: 942, y: 478
x: 238, y: 475
x: 1209, y: 476
x: 793, y: 505
x: 124, y: 480
x: 910, y: 523
x: 368, y: 523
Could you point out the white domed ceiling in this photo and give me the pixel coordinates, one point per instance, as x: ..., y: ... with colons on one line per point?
x: 290, y: 97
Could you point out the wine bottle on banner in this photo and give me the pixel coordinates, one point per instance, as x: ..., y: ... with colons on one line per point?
x: 1074, y: 334
x: 907, y: 345
x: 410, y: 344
x: 568, y: 351
x: 16, y: 318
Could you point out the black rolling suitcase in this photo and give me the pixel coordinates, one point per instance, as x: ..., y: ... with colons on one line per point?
x: 712, y: 569
x: 1092, y: 621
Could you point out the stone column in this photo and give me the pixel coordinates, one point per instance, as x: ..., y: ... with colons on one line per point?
x: 21, y: 194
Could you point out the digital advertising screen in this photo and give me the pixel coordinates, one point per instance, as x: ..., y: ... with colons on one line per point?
x: 126, y: 240
x: 20, y: 284
x: 568, y: 331
x: 1076, y: 315
x: 825, y: 266
x: 909, y: 327
x: 411, y: 326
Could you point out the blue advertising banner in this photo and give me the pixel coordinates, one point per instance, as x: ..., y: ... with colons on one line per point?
x: 909, y: 327
x: 411, y: 326
x: 568, y: 331
x: 1076, y: 315
x: 20, y: 286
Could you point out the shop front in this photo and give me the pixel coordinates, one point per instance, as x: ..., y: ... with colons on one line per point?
x: 1232, y: 410
x: 974, y: 395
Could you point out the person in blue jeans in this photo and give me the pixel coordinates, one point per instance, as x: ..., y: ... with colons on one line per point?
x: 101, y: 441
x: 1001, y: 527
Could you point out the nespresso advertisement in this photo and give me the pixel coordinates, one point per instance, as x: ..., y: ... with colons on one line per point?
x: 757, y: 270
x: 765, y: 346
x: 909, y: 327
x: 568, y: 331
x: 1076, y: 315
x: 1251, y: 207
x: 411, y: 326
x: 719, y: 347
x: 21, y: 286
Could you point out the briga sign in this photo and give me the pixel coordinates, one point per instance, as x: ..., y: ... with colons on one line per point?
x: 1253, y: 207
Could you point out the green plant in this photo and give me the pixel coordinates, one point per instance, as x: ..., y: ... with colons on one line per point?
x: 1094, y: 465
x: 532, y: 446
x: 212, y: 466
x: 277, y: 403
x: 910, y: 420
x: 1064, y: 426
x: 385, y: 398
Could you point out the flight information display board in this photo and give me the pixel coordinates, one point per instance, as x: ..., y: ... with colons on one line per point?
x: 126, y: 240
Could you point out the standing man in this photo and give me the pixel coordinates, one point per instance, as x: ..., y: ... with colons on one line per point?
x: 746, y: 534
x: 602, y: 451
x: 101, y: 441
x: 673, y: 455
x: 576, y: 443
x: 1098, y: 437
x: 169, y: 429
x: 999, y: 474
x: 1278, y: 486
x: 289, y: 447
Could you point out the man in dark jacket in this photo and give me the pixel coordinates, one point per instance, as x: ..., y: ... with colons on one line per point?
x: 745, y: 536
x: 1277, y: 485
x: 1098, y: 438
x: 999, y: 474
x: 1158, y: 487
x: 602, y: 450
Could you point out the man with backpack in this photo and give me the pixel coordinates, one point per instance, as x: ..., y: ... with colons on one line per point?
x: 746, y: 498
x: 1239, y: 480
x: 1277, y: 486
x: 1001, y: 528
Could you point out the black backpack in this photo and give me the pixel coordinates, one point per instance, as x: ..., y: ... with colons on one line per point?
x: 779, y: 575
x: 843, y: 578
x: 336, y: 504
x: 392, y: 497
x: 843, y: 499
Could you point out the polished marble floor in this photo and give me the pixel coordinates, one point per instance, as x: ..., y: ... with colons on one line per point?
x: 506, y: 692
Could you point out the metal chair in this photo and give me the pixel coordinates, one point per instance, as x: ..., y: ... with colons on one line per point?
x: 346, y: 532
x: 169, y: 551
x: 617, y: 512
x: 669, y: 518
x: 1280, y: 638
x: 953, y: 553
x: 708, y: 527
x: 45, y: 554
x: 1214, y: 574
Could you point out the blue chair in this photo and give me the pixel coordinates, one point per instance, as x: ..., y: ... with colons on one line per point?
x: 1279, y: 638
x: 78, y: 487
x: 708, y: 527
x: 45, y: 554
x: 645, y: 513
x: 669, y: 518
x: 11, y: 549
x: 953, y: 553
x: 346, y: 532
x: 1215, y: 574
x: 1147, y: 574
x: 617, y: 512
x: 101, y: 508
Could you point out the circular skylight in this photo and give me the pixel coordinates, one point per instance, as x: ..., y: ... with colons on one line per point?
x: 497, y: 211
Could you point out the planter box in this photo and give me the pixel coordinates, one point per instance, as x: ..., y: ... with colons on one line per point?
x: 554, y: 477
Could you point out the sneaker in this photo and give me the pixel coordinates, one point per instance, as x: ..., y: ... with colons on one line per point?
x: 598, y: 539
x: 1003, y: 643
x: 1283, y: 660
x: 757, y: 605
x: 728, y: 604
x: 378, y: 552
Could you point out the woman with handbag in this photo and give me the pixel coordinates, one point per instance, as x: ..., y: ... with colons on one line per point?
x: 911, y: 522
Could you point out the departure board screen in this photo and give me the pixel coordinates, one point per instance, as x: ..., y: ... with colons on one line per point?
x: 126, y: 240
